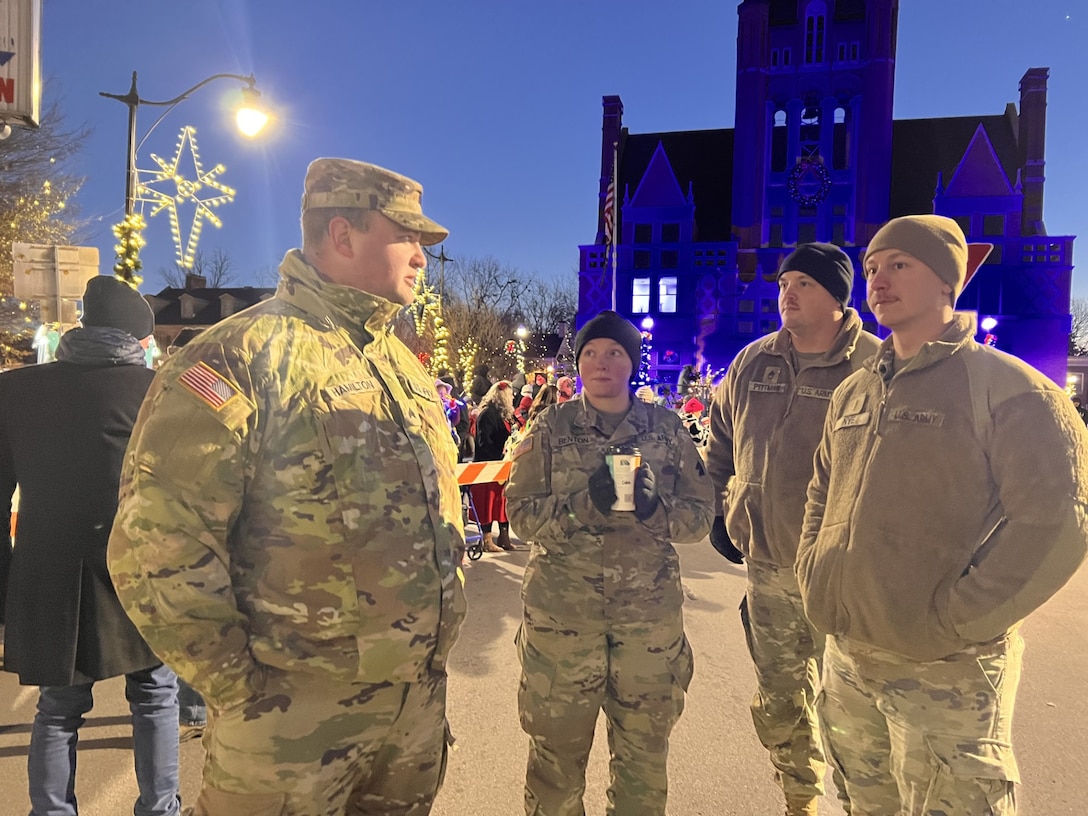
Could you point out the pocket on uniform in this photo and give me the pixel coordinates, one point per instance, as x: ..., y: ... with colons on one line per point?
x: 970, y: 777
x: 682, y: 668
x: 213, y: 801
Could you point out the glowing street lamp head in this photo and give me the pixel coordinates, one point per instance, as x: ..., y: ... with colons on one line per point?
x: 251, y: 116
x: 988, y: 323
x: 647, y: 323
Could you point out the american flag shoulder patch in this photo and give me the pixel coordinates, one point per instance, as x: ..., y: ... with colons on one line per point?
x: 209, y: 385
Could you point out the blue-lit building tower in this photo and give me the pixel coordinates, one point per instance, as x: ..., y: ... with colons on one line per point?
x: 704, y: 217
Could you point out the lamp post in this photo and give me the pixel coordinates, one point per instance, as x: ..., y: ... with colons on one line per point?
x: 250, y: 120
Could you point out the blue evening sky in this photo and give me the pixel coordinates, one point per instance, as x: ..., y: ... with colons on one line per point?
x: 494, y: 105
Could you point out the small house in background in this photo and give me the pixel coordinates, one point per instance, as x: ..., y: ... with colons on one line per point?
x: 198, y: 307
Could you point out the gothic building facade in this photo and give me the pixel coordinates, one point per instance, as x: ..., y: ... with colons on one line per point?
x: 705, y: 217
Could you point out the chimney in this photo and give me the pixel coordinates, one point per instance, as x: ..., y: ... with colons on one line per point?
x: 610, y: 136
x: 1032, y: 139
x: 194, y: 281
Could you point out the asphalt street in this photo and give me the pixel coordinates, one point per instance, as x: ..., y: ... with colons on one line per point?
x: 716, y: 765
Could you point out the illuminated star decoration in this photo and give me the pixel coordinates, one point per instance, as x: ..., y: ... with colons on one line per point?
x: 185, y: 191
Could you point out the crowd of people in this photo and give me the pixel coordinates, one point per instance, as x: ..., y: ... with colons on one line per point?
x: 270, y: 530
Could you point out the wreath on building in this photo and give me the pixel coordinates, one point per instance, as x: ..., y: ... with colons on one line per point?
x: 806, y: 172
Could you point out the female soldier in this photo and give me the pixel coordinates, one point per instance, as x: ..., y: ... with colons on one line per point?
x: 602, y: 619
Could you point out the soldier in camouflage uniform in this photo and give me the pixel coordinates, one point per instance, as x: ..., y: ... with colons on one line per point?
x: 948, y: 501
x: 765, y: 422
x: 290, y: 524
x: 603, y: 624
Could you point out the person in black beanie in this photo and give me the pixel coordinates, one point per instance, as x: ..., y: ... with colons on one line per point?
x: 603, y: 624
x: 767, y: 417
x: 64, y: 427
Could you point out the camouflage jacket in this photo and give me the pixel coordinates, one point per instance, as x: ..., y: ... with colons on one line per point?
x: 289, y: 498
x: 766, y: 420
x: 585, y: 565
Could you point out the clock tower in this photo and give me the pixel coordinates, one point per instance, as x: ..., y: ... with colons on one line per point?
x: 812, y: 155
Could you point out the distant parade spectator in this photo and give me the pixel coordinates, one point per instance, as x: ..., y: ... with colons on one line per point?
x: 480, y: 384
x: 494, y: 422
x: 565, y: 386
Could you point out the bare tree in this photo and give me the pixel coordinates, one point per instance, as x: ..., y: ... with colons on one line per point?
x: 1078, y: 331
x: 543, y: 305
x: 217, y: 270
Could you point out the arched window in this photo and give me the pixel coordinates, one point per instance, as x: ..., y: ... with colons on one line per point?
x: 841, y: 148
x: 815, y: 33
x: 779, y: 142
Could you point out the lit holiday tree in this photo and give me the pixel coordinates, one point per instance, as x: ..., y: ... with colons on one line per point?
x: 642, y: 376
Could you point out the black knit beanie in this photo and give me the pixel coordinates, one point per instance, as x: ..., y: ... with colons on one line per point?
x: 613, y: 326
x: 826, y: 264
x: 110, y: 302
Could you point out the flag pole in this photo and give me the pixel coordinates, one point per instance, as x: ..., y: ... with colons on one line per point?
x: 615, y: 213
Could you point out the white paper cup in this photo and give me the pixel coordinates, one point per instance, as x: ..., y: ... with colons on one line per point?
x: 623, y: 467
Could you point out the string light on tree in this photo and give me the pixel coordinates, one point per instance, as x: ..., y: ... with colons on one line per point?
x: 130, y: 240
x: 522, y: 334
x: 645, y: 353
x: 466, y: 359
x: 185, y: 191
x: 428, y: 315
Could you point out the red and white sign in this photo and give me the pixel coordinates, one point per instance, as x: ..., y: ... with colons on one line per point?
x: 20, y: 61
x: 482, y: 472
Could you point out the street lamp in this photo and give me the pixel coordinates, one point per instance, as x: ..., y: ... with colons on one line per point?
x: 250, y: 119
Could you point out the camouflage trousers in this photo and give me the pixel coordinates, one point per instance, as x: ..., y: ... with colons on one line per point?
x: 307, y: 746
x: 923, y: 739
x: 787, y: 654
x: 638, y: 672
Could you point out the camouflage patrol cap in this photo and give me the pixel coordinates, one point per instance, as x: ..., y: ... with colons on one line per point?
x: 349, y: 183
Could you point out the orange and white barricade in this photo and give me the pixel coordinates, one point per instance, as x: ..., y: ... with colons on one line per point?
x: 470, y: 473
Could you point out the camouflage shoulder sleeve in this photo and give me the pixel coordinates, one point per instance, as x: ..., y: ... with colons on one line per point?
x: 688, y: 498
x: 181, y: 492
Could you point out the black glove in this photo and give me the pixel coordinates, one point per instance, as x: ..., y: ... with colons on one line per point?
x: 646, y: 497
x: 719, y: 538
x: 602, y: 490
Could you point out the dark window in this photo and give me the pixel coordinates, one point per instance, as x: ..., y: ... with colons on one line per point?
x: 768, y: 326
x: 670, y: 233
x: 770, y: 306
x: 838, y: 233
x: 670, y: 259
x: 776, y: 212
x: 965, y: 223
x: 775, y: 237
x: 993, y: 225
x: 774, y: 57
x: 842, y: 52
x: 995, y: 255
x: 644, y: 233
x: 746, y: 306
x: 642, y: 259
x: 785, y: 57
x: 854, y: 52
x: 745, y: 327
x: 806, y: 232
x: 814, y: 39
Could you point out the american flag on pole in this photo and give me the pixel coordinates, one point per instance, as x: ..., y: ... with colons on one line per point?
x: 610, y: 209
x: 209, y: 385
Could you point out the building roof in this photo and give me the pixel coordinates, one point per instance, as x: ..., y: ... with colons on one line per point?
x: 922, y: 148
x: 700, y: 158
x: 167, y: 304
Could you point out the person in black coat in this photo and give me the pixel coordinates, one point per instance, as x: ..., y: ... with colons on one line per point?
x: 63, y: 430
x: 480, y: 384
x: 493, y: 425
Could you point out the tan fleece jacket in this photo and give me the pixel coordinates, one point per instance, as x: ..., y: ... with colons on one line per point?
x: 765, y: 423
x: 947, y: 504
